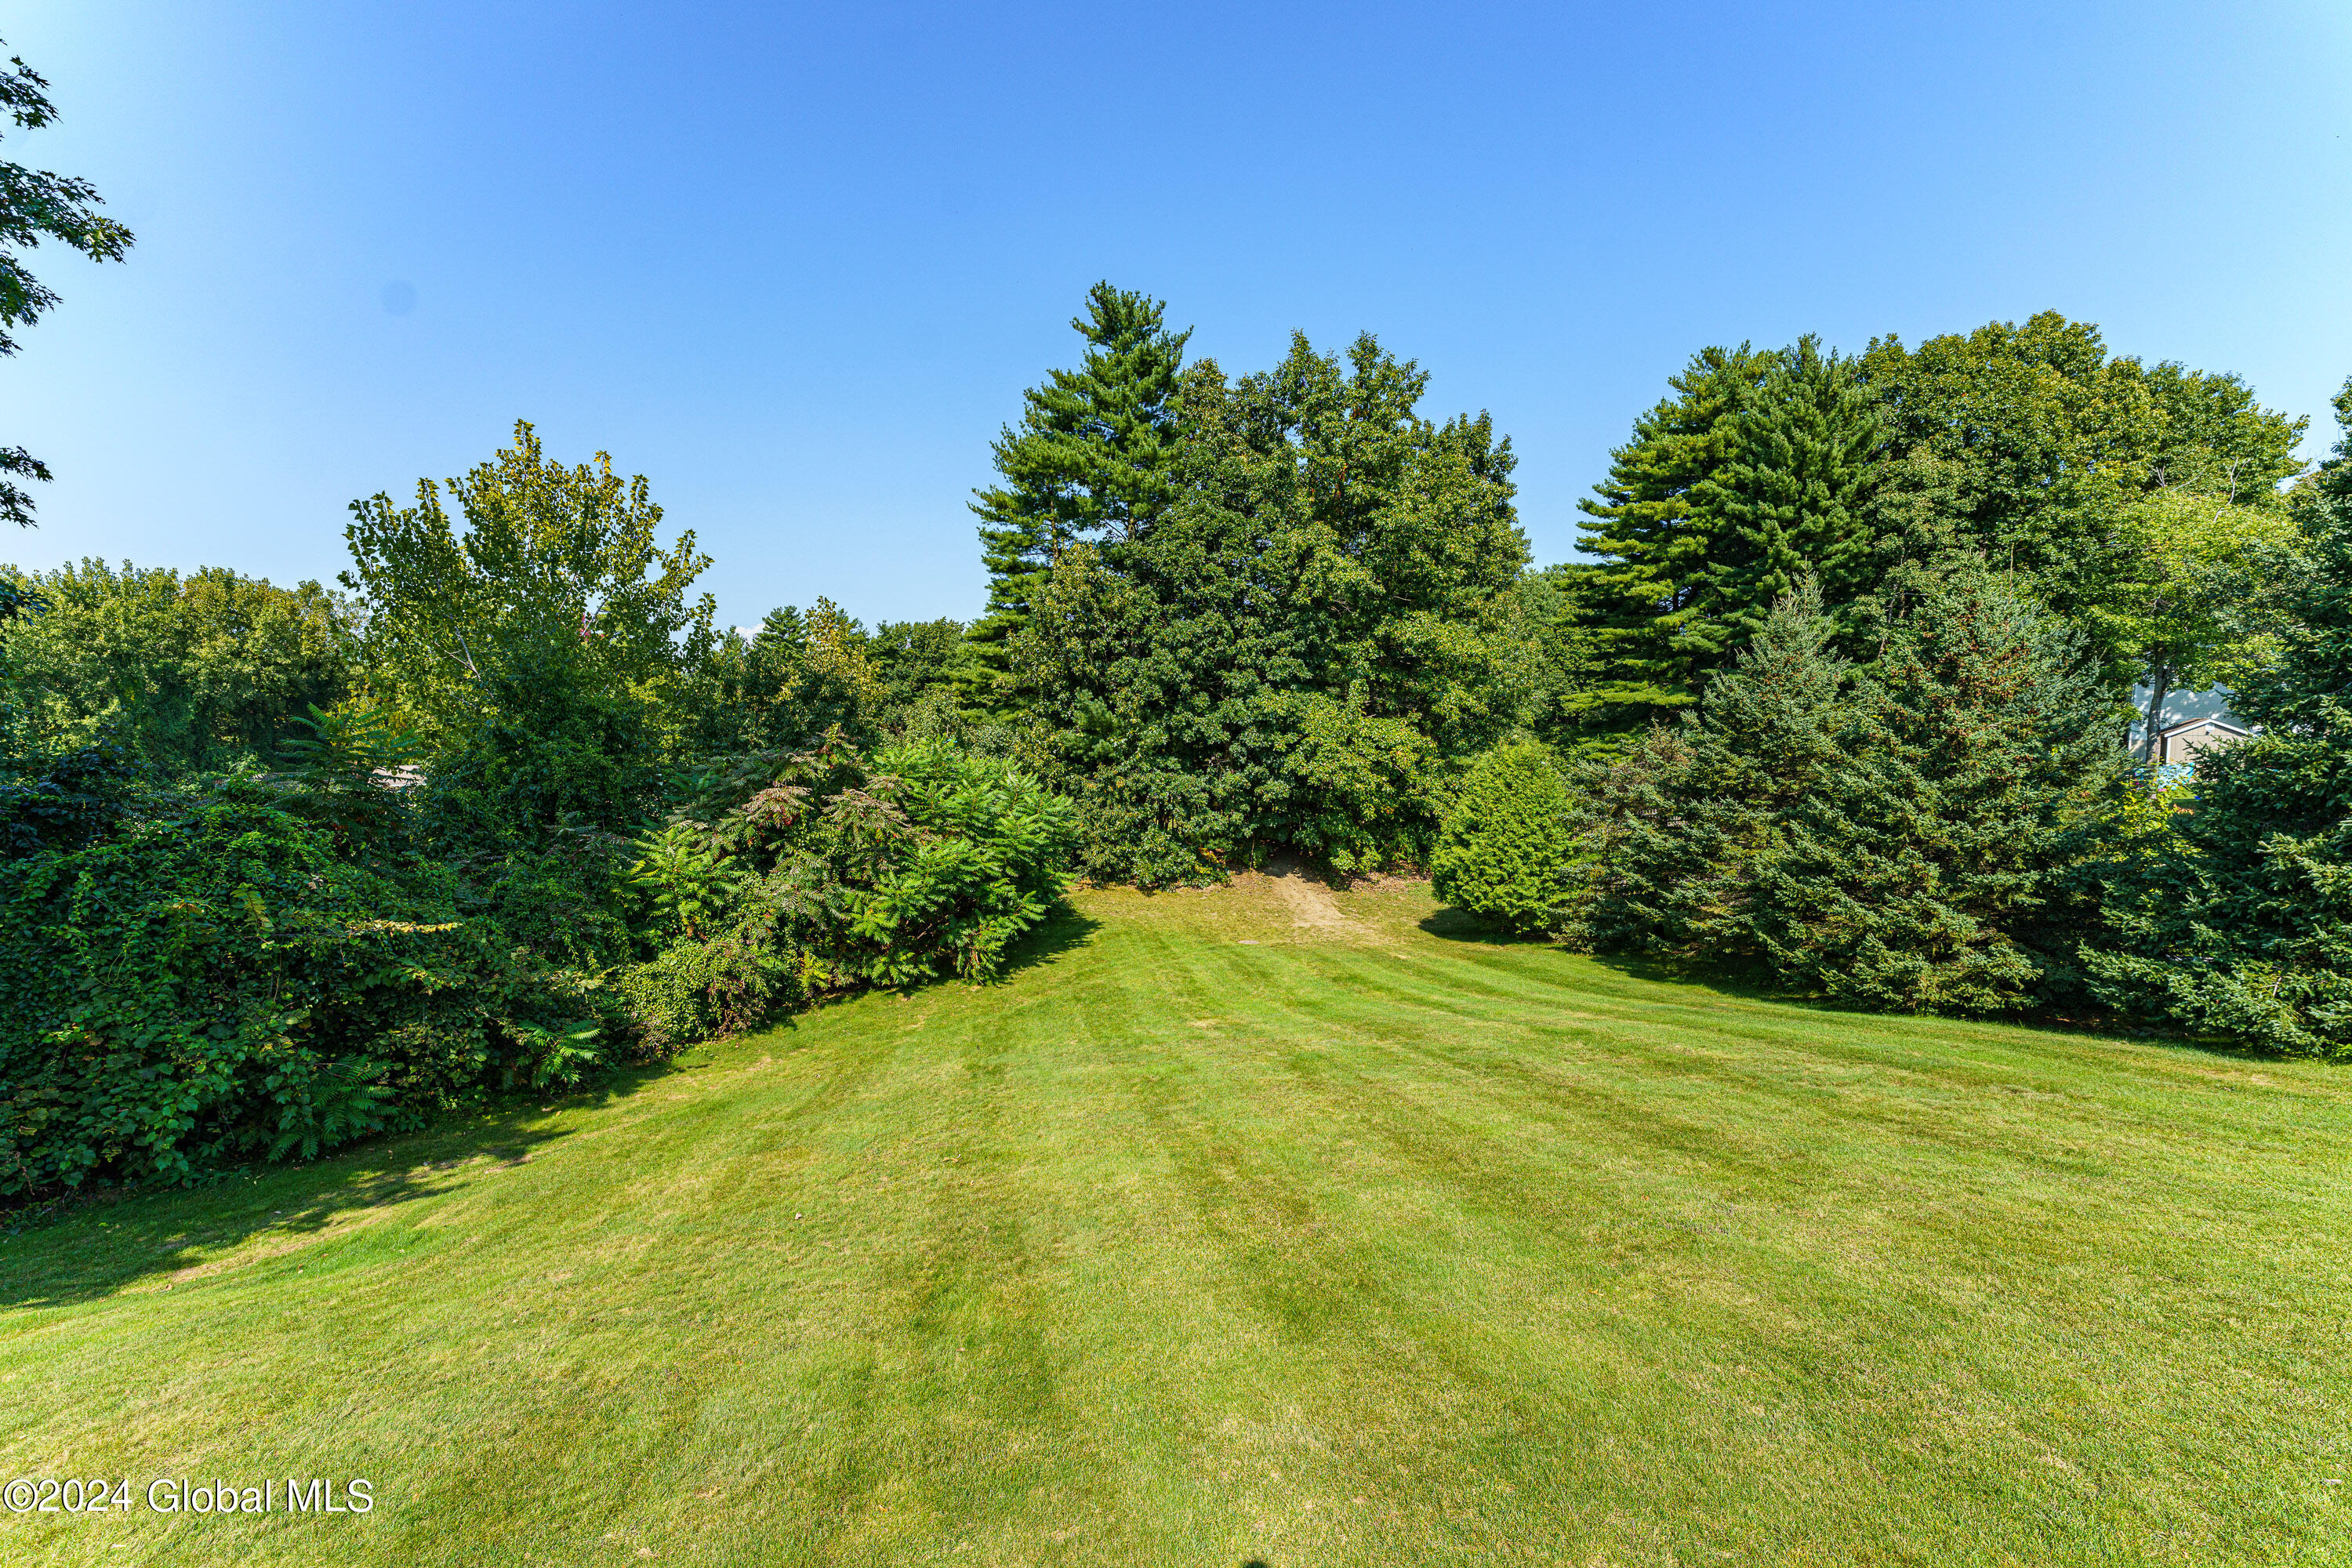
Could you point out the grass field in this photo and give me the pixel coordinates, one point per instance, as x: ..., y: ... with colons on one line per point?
x: 1252, y: 1226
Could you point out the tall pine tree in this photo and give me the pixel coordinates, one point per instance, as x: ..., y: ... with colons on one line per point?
x: 1788, y: 503
x: 1088, y: 463
x: 1652, y: 534
x: 1756, y: 477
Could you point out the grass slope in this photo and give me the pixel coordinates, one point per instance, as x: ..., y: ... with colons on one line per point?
x: 1243, y: 1226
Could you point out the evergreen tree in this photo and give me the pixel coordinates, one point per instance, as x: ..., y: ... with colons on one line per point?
x: 2028, y: 445
x: 1653, y: 535
x: 2237, y: 923
x: 1788, y: 503
x: 1297, y: 654
x: 1508, y: 850
x: 1756, y: 477
x: 1090, y: 462
x: 1977, y: 764
x: 1679, y: 827
x: 1891, y: 836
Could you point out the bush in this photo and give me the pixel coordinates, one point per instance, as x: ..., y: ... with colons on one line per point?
x: 944, y: 860
x: 697, y: 989
x: 61, y: 802
x: 1507, y: 849
x: 822, y: 872
x: 209, y: 982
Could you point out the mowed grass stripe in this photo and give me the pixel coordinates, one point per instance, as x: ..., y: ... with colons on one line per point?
x: 1210, y: 1236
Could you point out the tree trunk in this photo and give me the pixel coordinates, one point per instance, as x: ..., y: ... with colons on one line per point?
x: 2159, y: 686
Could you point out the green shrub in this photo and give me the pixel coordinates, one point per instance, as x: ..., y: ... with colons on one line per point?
x: 697, y: 989
x: 944, y: 861
x: 670, y: 995
x: 825, y: 871
x: 1507, y: 849
x: 209, y: 982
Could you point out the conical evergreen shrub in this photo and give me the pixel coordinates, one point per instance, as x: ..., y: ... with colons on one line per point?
x: 1507, y: 848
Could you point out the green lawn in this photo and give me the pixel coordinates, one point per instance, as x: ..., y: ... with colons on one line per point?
x: 1245, y: 1226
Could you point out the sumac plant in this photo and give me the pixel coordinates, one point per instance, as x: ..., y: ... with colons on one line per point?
x: 837, y: 872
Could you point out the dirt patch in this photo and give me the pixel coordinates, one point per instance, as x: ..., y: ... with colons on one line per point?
x: 1310, y: 903
x: 1303, y: 896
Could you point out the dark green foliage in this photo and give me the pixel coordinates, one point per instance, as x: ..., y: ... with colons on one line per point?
x: 923, y: 672
x: 1678, y: 826
x: 2022, y: 445
x: 562, y: 897
x: 1090, y: 462
x: 545, y: 648
x: 825, y: 871
x: 1508, y: 847
x: 2237, y: 923
x: 352, y: 771
x: 2039, y: 431
x: 1756, y: 477
x: 1978, y: 762
x: 1655, y: 536
x: 194, y: 673
x: 1787, y: 505
x: 1550, y: 615
x: 703, y: 988
x: 1890, y: 836
x: 944, y: 865
x: 1295, y: 655
x: 533, y: 808
x: 210, y: 983
x: 803, y: 675
x: 62, y: 803
x: 2333, y: 479
x: 548, y: 753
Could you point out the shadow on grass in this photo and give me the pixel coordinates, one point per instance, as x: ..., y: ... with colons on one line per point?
x: 1450, y: 925
x: 91, y: 1244
x: 1751, y: 985
x: 1063, y: 931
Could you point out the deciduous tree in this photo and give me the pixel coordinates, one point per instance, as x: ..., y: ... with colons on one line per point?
x: 35, y: 205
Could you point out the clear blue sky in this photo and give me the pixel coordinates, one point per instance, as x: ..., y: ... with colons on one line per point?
x: 796, y: 264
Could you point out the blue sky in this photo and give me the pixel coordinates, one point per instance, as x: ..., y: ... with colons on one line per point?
x: 795, y: 265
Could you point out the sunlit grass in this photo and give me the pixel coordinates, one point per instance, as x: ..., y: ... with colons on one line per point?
x: 1213, y: 1236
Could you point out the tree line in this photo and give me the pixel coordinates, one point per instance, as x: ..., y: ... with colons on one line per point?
x: 1835, y: 698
